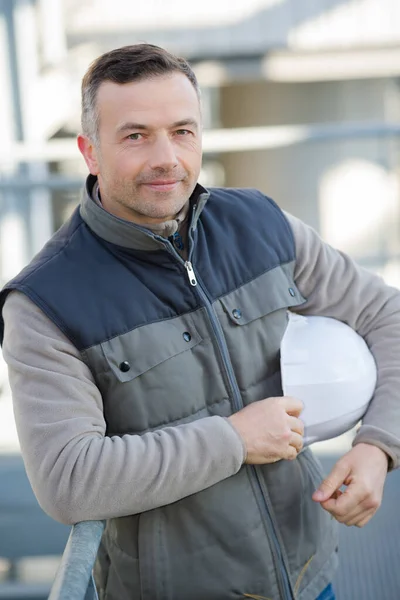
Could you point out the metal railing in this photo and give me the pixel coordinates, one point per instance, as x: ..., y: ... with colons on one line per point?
x: 74, y: 578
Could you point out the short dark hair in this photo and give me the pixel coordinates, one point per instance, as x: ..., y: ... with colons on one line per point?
x: 124, y: 65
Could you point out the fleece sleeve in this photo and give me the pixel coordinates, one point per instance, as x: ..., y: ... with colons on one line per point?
x: 335, y: 286
x: 76, y: 471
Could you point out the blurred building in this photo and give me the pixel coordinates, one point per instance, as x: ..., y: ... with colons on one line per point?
x: 301, y: 100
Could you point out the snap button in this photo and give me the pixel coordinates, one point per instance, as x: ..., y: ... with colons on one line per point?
x: 292, y: 292
x: 237, y: 313
x: 187, y: 337
x: 124, y: 366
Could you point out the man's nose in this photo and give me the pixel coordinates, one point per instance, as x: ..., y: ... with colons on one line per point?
x: 163, y: 153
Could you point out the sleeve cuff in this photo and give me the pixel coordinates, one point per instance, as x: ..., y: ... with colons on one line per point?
x: 369, y: 434
x: 239, y: 441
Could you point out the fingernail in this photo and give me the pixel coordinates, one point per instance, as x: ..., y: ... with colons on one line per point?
x: 318, y: 495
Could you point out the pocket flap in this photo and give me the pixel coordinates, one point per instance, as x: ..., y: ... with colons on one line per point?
x: 271, y: 291
x: 133, y: 353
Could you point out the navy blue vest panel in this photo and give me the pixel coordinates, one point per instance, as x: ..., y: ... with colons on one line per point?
x: 240, y: 235
x: 94, y: 290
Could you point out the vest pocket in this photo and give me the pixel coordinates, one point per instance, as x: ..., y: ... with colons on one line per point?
x: 254, y: 319
x: 262, y: 296
x: 153, y: 376
x: 132, y: 354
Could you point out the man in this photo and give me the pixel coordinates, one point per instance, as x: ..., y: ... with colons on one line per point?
x: 143, y: 353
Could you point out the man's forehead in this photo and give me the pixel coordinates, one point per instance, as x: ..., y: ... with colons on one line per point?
x: 159, y: 101
x: 174, y: 88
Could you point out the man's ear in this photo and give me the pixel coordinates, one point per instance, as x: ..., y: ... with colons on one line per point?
x: 89, y: 153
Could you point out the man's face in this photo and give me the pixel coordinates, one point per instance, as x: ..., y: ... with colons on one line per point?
x: 148, y: 157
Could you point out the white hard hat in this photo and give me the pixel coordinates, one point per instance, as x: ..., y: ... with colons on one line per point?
x: 328, y: 366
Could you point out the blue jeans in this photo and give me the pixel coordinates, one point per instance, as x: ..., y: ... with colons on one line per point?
x: 327, y: 594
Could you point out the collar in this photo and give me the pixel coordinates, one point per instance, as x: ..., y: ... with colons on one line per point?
x: 125, y: 233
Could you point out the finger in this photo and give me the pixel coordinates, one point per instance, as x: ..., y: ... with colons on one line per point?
x: 291, y: 453
x: 296, y: 425
x: 367, y: 517
x: 361, y: 518
x: 296, y: 440
x: 342, y: 516
x: 337, y: 494
x: 293, y: 406
x: 367, y: 505
x: 332, y: 483
x: 347, y: 504
x: 334, y: 496
x: 356, y: 516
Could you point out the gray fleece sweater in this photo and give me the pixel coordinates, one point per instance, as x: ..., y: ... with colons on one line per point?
x: 60, y: 422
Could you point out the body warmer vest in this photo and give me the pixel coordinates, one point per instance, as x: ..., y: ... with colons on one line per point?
x: 169, y: 342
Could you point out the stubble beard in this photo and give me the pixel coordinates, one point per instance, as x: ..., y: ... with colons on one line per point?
x: 133, y: 197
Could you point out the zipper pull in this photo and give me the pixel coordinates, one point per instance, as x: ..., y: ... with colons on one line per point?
x: 190, y: 272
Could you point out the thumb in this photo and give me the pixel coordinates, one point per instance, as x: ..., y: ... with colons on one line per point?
x: 332, y: 483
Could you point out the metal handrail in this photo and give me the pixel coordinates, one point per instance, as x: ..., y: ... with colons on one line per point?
x: 74, y: 579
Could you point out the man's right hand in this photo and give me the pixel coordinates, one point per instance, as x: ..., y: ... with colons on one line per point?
x: 270, y: 429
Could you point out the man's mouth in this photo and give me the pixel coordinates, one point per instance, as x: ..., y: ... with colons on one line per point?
x: 163, y: 185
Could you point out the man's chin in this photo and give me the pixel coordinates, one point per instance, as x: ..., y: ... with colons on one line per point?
x: 162, y: 206
x: 167, y: 214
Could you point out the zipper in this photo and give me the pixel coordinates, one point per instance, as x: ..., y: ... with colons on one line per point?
x: 283, y: 577
x: 191, y: 273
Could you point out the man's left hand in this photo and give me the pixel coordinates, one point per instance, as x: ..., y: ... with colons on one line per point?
x: 363, y: 471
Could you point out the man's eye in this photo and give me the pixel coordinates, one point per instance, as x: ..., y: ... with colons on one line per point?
x: 183, y: 132
x: 134, y: 136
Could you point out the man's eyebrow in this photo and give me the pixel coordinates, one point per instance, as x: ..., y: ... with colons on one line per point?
x: 184, y: 123
x: 130, y: 126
